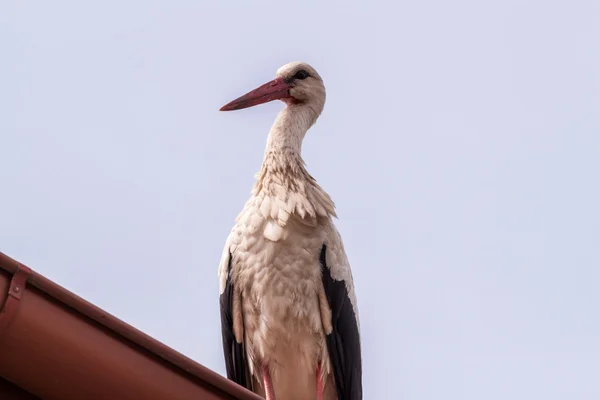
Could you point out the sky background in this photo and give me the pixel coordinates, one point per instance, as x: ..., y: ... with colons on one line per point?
x: 460, y: 141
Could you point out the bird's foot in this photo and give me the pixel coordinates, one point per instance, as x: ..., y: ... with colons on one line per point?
x: 269, y: 391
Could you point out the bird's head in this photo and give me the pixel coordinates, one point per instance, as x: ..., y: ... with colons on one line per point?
x: 297, y: 84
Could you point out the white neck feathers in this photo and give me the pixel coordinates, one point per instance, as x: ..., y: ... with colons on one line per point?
x: 289, y: 129
x: 283, y: 185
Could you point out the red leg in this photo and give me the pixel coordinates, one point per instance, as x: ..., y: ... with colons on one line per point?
x: 319, y: 383
x: 268, y: 383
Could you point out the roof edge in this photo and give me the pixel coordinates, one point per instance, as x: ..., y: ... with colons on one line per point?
x: 124, y: 330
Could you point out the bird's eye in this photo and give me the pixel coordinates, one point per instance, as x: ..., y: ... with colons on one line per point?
x: 302, y: 74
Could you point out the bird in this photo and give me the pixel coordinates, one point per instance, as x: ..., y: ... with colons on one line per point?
x: 289, y: 315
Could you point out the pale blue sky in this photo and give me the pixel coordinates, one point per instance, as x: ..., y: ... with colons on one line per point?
x: 460, y: 141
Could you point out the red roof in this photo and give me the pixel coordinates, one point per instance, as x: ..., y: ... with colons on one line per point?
x: 55, y: 345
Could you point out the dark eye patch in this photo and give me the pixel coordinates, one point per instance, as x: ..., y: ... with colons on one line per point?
x: 302, y: 74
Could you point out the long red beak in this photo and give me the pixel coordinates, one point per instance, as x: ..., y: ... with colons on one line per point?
x: 274, y: 90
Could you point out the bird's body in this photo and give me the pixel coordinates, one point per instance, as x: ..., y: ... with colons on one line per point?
x: 284, y: 273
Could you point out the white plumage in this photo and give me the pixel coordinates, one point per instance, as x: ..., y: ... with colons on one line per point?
x: 280, y: 311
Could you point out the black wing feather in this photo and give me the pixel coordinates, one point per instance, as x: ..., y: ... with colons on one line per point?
x: 235, y: 356
x: 343, y: 343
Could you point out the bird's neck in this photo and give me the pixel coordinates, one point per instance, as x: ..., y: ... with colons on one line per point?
x: 282, y: 175
x: 288, y: 131
x: 283, y: 161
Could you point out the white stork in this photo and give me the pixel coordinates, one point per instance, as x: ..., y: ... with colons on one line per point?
x: 288, y: 310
